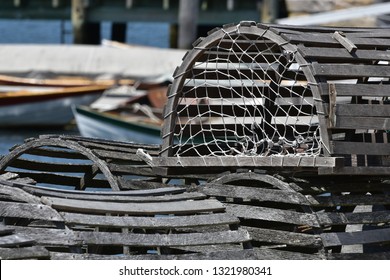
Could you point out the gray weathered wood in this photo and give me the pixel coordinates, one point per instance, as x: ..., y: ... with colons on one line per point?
x: 34, y: 252
x: 361, y: 237
x: 363, y: 110
x: 284, y: 237
x: 348, y: 200
x: 350, y: 70
x: 161, y: 222
x: 374, y: 90
x: 28, y: 211
x: 344, y: 41
x: 356, y: 170
x: 270, y: 214
x: 16, y: 193
x: 254, y: 193
x: 380, y: 123
x: 15, y: 240
x: 353, y: 148
x: 226, y: 161
x: 151, y: 208
x: 330, y: 218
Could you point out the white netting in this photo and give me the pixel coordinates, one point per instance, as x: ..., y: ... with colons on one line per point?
x: 247, y: 96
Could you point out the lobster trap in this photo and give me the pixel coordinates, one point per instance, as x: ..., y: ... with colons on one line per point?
x: 255, y: 95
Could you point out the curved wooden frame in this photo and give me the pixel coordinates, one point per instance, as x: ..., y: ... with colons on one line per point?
x: 249, y: 28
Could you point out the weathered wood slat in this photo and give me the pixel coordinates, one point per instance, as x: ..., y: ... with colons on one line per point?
x: 350, y: 238
x: 28, y: 211
x: 330, y: 218
x: 353, y: 148
x: 56, y: 153
x: 140, y: 170
x: 148, y: 240
x: 15, y: 240
x: 59, y: 179
x: 50, y: 166
x: 254, y: 193
x: 374, y: 90
x: 360, y: 256
x: 232, y: 109
x: 248, y: 254
x: 152, y: 208
x: 117, y: 155
x: 313, y: 39
x: 270, y: 214
x: 362, y: 110
x: 340, y: 54
x: 258, y: 179
x: 16, y: 194
x: 152, y: 149
x: 55, y: 237
x: 350, y: 70
x: 380, y: 123
x: 160, y: 196
x: 5, y: 230
x: 34, y: 252
x: 284, y: 237
x: 255, y: 90
x: 234, y: 161
x: 158, y: 190
x: 348, y: 200
x: 163, y: 222
x: 356, y: 170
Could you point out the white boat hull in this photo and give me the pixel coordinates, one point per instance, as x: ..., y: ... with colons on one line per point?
x: 95, y: 127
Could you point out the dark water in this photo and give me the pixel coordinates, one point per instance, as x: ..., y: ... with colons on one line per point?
x: 57, y: 32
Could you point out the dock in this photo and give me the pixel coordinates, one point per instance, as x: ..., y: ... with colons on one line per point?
x: 89, y: 14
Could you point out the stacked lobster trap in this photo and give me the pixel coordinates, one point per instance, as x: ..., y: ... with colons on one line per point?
x: 280, y: 96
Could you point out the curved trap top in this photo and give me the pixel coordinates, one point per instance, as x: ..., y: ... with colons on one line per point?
x: 254, y: 95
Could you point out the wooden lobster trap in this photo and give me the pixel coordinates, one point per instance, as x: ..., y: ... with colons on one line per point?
x: 267, y: 96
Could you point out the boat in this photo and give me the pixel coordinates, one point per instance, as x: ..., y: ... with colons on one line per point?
x: 135, y: 117
x: 45, y: 107
x: 121, y: 125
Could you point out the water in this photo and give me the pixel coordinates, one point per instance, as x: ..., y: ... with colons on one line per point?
x: 59, y: 32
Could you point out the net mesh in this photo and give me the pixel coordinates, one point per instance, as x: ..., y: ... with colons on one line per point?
x: 246, y: 96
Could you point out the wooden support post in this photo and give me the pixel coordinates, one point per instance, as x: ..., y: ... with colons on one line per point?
x: 84, y: 32
x: 188, y: 21
x: 78, y: 21
x: 118, y: 32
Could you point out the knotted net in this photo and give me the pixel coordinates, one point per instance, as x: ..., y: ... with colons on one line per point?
x: 245, y: 95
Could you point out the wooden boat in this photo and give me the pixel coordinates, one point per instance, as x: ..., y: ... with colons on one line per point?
x: 62, y: 81
x: 122, y: 125
x: 45, y: 108
x: 138, y: 118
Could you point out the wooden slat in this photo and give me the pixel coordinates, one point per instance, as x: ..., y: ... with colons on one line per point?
x: 254, y: 193
x: 237, y: 110
x: 149, y: 240
x: 374, y: 90
x: 356, y: 170
x: 152, y: 149
x: 353, y: 148
x: 340, y: 54
x: 7, y: 188
x: 348, y: 200
x: 28, y: 211
x: 360, y: 256
x: 232, y: 74
x: 270, y: 214
x: 158, y: 190
x: 140, y: 170
x: 229, y: 161
x: 350, y: 70
x: 248, y: 254
x: 67, y: 180
x: 312, y: 39
x: 15, y: 240
x: 330, y: 218
x: 117, y: 155
x: 350, y: 238
x: 34, y: 252
x: 56, y: 153
x: 284, y: 237
x: 217, y: 90
x: 163, y: 222
x: 50, y: 166
x: 363, y: 110
x: 152, y: 208
x: 346, y: 122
